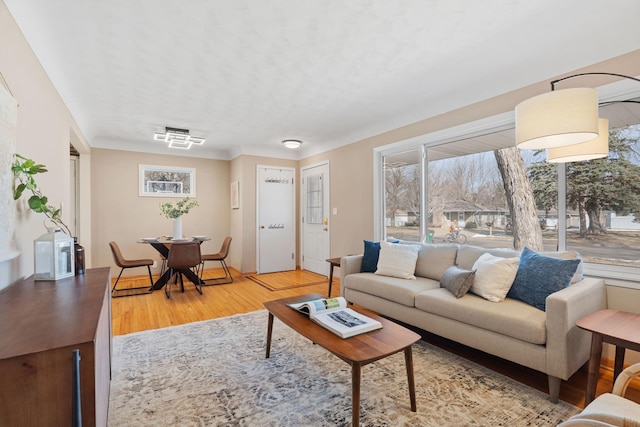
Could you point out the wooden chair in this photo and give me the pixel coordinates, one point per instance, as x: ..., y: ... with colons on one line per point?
x: 183, y: 256
x: 124, y: 263
x: 220, y: 256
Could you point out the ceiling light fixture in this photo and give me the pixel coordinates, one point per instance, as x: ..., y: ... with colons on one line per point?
x: 565, y: 122
x: 178, y: 138
x: 292, y: 143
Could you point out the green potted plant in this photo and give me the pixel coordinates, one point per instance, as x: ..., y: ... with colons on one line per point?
x: 24, y: 170
x: 175, y: 212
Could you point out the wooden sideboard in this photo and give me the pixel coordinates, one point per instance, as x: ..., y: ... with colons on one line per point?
x: 41, y: 324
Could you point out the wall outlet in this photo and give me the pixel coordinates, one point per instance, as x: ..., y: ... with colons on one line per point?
x: 155, y: 264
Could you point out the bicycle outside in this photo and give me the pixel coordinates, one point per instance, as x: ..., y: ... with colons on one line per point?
x: 455, y: 237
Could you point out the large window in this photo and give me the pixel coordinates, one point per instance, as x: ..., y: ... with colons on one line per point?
x: 466, y: 200
x: 599, y: 215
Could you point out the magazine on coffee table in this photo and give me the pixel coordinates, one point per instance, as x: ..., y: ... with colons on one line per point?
x: 333, y: 314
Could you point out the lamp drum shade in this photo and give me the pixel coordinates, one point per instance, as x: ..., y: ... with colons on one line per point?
x: 593, y: 149
x: 557, y: 118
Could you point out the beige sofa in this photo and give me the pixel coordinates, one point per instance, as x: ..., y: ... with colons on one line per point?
x: 547, y: 341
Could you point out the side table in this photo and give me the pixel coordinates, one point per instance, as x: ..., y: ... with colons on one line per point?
x: 333, y: 262
x: 619, y: 328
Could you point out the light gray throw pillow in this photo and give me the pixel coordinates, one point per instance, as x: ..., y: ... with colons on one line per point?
x: 457, y: 280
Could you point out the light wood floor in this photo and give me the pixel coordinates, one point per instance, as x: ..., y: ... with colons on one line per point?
x: 152, y: 311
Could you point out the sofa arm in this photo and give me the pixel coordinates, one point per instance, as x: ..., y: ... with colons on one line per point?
x: 349, y: 265
x: 568, y: 347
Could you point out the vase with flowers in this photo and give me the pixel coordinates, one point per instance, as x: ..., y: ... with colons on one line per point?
x: 175, y: 212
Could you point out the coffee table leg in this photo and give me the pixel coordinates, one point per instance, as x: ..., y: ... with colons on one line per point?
x: 408, y: 359
x: 594, y: 368
x: 269, y: 330
x: 355, y: 394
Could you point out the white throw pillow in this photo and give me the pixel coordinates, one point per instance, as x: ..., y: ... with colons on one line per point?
x: 397, y: 260
x: 494, y: 276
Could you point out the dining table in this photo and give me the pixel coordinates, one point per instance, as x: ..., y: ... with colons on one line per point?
x: 162, y: 245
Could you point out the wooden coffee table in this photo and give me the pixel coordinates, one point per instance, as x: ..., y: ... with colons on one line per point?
x: 357, y: 351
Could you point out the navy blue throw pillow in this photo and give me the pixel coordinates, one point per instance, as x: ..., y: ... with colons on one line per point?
x: 370, y: 258
x: 539, y: 276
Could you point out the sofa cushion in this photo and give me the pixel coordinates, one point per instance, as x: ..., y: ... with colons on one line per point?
x: 433, y: 260
x: 397, y: 260
x: 511, y: 317
x: 468, y: 255
x: 391, y: 288
x: 494, y: 276
x: 457, y: 280
x: 579, y: 274
x: 370, y: 257
x: 539, y: 276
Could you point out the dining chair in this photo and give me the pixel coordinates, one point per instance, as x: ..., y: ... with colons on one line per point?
x: 124, y: 263
x: 183, y: 256
x: 220, y: 256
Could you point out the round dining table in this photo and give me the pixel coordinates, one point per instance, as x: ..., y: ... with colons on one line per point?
x: 162, y: 245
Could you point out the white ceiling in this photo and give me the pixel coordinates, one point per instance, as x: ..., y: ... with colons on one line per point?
x: 247, y: 74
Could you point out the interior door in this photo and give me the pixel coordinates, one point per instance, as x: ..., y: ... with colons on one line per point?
x: 315, y: 219
x: 276, y: 220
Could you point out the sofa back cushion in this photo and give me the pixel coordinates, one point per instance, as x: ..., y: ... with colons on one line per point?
x: 468, y: 255
x: 433, y: 260
x: 579, y: 274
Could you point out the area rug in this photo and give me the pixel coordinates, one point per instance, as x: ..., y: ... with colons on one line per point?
x: 283, y: 280
x: 214, y: 373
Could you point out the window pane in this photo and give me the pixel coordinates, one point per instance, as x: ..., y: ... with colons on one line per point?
x: 402, y: 195
x: 603, y: 202
x: 543, y: 178
x: 467, y: 202
x: 314, y: 199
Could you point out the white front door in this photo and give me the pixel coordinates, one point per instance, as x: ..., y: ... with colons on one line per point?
x: 276, y: 219
x: 315, y: 218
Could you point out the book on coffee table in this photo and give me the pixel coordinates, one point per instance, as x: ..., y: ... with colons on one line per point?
x: 333, y: 314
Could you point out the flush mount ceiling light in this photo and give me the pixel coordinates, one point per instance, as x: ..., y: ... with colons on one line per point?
x: 178, y: 138
x: 565, y: 122
x: 292, y: 143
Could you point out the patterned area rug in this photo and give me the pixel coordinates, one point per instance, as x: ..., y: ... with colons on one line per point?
x: 214, y: 373
x: 288, y: 279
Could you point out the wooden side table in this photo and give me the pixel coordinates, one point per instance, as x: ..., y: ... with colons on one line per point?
x: 333, y: 262
x: 619, y: 328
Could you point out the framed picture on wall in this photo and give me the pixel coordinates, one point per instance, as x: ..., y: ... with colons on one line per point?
x: 167, y: 181
x: 235, y: 195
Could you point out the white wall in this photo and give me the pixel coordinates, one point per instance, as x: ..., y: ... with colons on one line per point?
x: 44, y: 132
